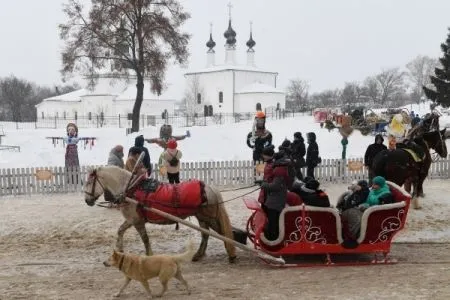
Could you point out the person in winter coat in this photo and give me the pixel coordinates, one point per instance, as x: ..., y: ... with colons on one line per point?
x: 285, y: 148
x: 267, y: 156
x: 139, y: 142
x: 358, y: 194
x: 133, y: 156
x: 172, y: 158
x: 312, y: 154
x: 312, y: 195
x: 298, y: 150
x: 116, y: 157
x: 371, y: 151
x: 380, y: 194
x: 276, y: 193
x: 259, y: 137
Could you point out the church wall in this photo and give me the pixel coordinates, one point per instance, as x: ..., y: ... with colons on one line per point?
x: 247, y: 102
x: 209, y: 86
x: 53, y: 109
x: 244, y: 78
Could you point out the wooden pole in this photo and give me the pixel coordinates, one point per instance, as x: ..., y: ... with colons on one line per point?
x: 277, y: 260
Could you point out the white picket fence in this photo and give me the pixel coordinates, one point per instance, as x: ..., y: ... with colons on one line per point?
x: 22, y: 181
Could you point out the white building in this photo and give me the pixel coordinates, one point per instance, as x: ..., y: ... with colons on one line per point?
x: 230, y: 87
x: 111, y: 96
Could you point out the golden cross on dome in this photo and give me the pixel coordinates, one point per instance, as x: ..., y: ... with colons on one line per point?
x: 210, y: 27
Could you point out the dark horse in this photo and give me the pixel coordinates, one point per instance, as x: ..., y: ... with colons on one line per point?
x: 400, y: 167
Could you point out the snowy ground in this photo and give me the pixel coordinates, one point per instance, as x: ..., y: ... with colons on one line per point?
x: 52, y: 247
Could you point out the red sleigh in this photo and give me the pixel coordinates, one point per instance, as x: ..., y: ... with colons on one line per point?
x: 306, y: 230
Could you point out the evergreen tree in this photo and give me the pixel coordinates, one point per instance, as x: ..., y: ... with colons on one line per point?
x: 440, y: 95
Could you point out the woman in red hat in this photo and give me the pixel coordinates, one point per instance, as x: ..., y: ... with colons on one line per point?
x: 172, y: 158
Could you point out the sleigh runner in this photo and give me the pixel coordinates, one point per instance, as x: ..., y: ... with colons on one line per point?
x: 306, y: 230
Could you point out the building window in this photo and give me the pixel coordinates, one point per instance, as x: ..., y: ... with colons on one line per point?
x: 199, y: 98
x: 220, y: 97
x: 42, y: 114
x: 89, y: 116
x: 65, y: 115
x: 76, y: 115
x: 210, y: 110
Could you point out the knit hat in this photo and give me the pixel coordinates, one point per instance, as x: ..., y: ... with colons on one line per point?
x: 298, y: 135
x: 363, y: 183
x: 380, y: 181
x: 172, y: 144
x: 312, y: 184
x: 268, y: 151
x: 286, y: 144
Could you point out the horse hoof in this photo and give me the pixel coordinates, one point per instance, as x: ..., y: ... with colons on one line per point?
x: 197, y: 257
x: 232, y: 259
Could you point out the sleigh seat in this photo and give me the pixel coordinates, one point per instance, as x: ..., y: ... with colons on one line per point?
x: 317, y: 230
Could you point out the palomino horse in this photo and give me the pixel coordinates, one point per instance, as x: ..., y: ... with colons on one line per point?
x: 400, y: 167
x: 211, y: 214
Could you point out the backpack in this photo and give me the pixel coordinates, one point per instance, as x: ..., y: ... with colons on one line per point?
x: 174, y: 161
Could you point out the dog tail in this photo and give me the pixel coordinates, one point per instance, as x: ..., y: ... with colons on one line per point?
x: 187, y: 255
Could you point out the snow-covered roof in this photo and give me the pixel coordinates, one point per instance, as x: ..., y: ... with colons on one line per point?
x: 258, y: 87
x: 219, y: 68
x: 74, y: 96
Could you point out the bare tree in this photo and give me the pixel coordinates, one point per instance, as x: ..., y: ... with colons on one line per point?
x: 419, y: 71
x: 326, y: 98
x: 371, y: 90
x: 351, y: 94
x: 193, y: 96
x: 297, y: 94
x: 137, y: 35
x: 15, y: 94
x: 390, y: 84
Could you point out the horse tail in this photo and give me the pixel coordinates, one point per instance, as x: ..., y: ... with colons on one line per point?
x: 225, y: 224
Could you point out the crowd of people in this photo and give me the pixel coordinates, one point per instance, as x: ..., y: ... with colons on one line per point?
x: 283, y: 183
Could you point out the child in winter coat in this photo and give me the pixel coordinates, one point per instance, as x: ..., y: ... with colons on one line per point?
x: 380, y: 193
x: 172, y: 158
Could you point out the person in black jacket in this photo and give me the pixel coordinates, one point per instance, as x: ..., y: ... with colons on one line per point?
x: 312, y: 195
x: 312, y: 154
x: 298, y: 152
x: 139, y: 143
x: 259, y: 137
x: 371, y: 151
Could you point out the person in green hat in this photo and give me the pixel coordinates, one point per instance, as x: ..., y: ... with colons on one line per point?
x: 379, y: 194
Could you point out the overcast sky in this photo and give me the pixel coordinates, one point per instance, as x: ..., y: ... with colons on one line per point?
x: 326, y: 42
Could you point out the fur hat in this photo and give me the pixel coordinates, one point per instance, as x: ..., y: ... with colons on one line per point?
x: 172, y: 144
x: 286, y: 144
x: 268, y: 151
x: 380, y: 181
x: 363, y: 184
x: 312, y: 184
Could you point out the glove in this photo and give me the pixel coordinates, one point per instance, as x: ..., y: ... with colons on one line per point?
x: 188, y: 133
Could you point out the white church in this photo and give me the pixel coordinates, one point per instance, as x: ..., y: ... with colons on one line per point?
x: 231, y: 87
x: 111, y: 96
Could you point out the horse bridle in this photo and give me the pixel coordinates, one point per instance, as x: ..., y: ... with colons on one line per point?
x: 95, y: 179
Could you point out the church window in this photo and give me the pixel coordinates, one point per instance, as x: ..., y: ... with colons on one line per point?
x: 199, y: 98
x: 220, y: 97
x: 89, y: 116
x: 210, y: 110
x: 42, y: 114
x: 76, y: 115
x: 64, y: 115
